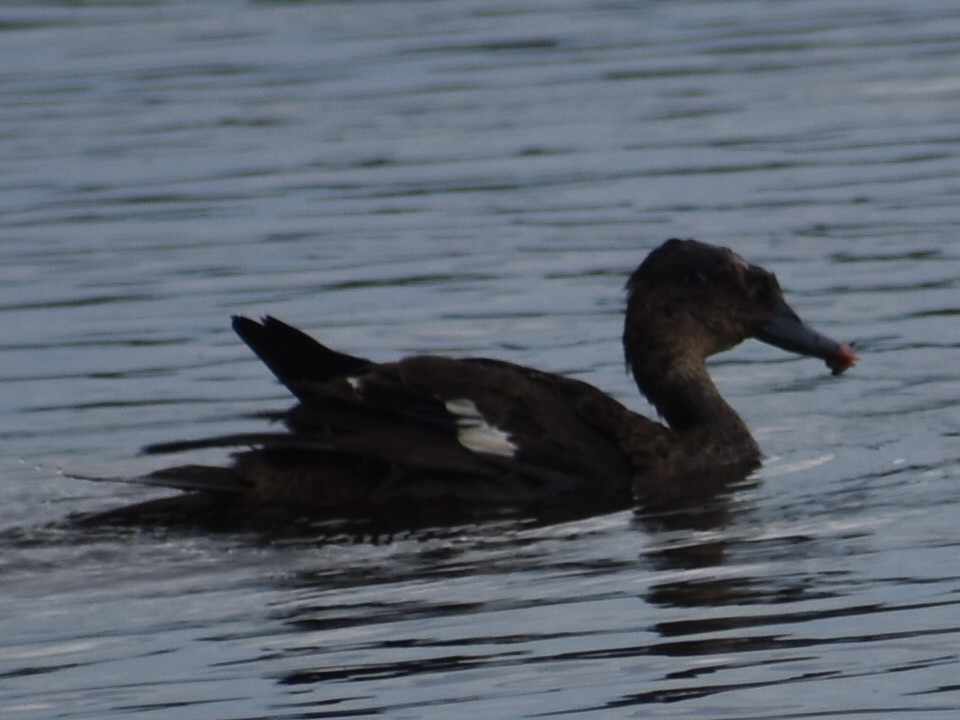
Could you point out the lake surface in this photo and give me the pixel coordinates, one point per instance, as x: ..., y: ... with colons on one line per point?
x: 471, y: 177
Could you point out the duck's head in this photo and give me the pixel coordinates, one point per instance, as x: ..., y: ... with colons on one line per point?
x: 689, y: 300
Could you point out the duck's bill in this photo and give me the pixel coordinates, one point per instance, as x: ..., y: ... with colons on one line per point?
x: 787, y: 331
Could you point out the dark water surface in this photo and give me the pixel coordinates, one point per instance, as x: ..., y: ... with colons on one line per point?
x: 478, y: 177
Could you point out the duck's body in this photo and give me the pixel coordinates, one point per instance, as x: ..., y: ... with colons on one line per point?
x: 436, y: 436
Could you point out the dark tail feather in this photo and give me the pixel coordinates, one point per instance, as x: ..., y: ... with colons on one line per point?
x: 212, y: 497
x: 205, y: 478
x: 198, y: 477
x: 220, y: 441
x: 293, y: 356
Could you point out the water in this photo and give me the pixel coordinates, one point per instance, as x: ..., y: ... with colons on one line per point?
x: 478, y: 177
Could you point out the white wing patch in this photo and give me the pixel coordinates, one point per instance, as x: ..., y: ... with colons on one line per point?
x: 475, y: 433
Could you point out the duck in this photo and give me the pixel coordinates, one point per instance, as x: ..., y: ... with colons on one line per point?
x: 436, y: 437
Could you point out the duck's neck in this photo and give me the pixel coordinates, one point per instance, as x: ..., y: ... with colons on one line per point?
x: 681, y: 389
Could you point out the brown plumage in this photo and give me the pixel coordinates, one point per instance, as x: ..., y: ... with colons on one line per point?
x: 432, y: 439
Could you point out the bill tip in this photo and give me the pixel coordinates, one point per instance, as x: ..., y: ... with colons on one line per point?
x: 845, y: 357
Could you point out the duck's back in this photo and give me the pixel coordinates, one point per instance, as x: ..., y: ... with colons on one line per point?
x: 473, y: 431
x: 461, y: 435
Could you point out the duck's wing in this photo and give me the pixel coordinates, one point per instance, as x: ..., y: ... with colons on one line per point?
x: 478, y: 429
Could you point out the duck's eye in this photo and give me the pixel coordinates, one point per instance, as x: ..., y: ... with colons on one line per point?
x: 726, y: 275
